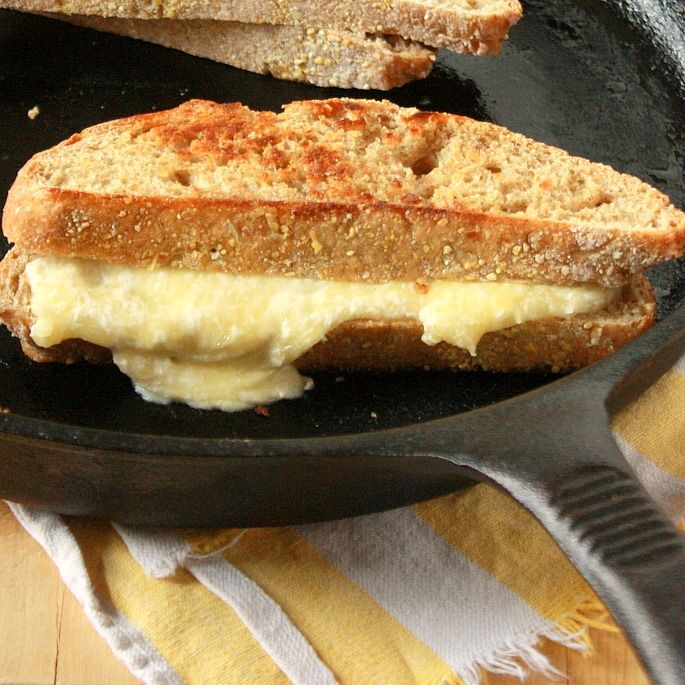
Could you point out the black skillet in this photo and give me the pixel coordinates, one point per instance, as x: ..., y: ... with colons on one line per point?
x: 604, y: 80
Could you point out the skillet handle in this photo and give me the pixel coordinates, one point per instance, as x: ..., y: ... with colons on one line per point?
x: 553, y: 451
x: 616, y: 536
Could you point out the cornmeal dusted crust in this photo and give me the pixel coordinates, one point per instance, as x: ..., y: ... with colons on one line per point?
x: 556, y: 344
x: 338, y: 189
x: 473, y: 26
x: 323, y: 57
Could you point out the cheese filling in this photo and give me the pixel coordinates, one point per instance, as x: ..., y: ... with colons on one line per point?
x: 217, y: 340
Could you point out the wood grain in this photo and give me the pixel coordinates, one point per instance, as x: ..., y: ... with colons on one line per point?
x: 46, y: 639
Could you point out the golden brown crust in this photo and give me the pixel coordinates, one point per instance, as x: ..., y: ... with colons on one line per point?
x: 556, y: 344
x: 329, y: 225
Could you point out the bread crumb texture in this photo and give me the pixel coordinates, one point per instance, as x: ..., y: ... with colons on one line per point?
x: 338, y: 189
x: 350, y: 151
x: 324, y: 57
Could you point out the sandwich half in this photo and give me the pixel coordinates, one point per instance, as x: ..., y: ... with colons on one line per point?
x: 470, y: 26
x: 322, y: 57
x: 214, y: 252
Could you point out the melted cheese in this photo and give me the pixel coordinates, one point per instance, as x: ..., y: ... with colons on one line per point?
x: 216, y: 340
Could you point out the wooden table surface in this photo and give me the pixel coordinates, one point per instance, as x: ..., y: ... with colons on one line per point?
x: 45, y: 638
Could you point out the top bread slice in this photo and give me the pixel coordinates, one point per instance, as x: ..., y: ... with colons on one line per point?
x: 472, y: 26
x: 323, y: 57
x: 338, y: 189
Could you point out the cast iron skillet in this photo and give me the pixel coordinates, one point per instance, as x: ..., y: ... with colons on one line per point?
x: 605, y: 80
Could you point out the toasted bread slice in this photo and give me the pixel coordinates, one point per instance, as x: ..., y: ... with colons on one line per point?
x: 338, y: 189
x: 555, y: 344
x: 472, y: 26
x: 323, y: 57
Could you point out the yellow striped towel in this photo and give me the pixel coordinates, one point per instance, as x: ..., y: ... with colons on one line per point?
x: 432, y: 593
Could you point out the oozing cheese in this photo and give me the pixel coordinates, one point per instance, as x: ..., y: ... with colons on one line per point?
x: 216, y: 340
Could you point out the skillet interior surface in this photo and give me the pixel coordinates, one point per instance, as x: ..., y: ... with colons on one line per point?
x: 579, y: 74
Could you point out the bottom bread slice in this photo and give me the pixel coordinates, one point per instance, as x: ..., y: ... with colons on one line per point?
x: 323, y: 57
x: 556, y: 344
x: 553, y: 344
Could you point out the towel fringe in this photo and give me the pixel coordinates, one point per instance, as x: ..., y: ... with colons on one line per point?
x: 571, y: 630
x: 518, y: 658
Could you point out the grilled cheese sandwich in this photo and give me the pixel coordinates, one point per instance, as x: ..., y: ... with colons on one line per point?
x: 217, y: 254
